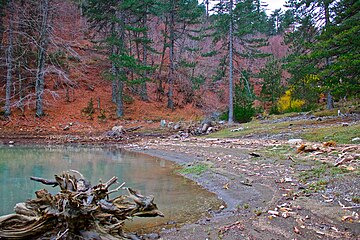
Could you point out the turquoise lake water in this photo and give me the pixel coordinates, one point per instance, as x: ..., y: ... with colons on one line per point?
x: 180, y: 199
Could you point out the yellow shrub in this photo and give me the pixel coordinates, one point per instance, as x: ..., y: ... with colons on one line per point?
x: 287, y: 104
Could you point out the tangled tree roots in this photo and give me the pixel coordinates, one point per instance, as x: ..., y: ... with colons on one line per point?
x: 78, y: 211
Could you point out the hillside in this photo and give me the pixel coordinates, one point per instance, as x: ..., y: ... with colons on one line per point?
x: 69, y: 92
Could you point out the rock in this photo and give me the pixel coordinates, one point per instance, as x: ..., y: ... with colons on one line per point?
x: 11, y: 142
x: 90, y: 235
x: 237, y: 129
x: 295, y: 141
x: 67, y: 127
x: 204, y: 127
x: 133, y: 237
x: 118, y: 129
x: 357, y: 139
x: 288, y: 179
x: 177, y: 126
x: 116, y: 132
x: 345, y: 124
x: 163, y: 123
x: 151, y: 236
x: 209, y: 130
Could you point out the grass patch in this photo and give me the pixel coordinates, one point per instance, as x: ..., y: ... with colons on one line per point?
x: 195, y: 169
x: 316, y: 186
x: 355, y: 199
x: 277, y: 153
x: 253, y: 127
x: 339, y: 134
x: 326, y: 113
x: 320, y: 171
x: 257, y: 128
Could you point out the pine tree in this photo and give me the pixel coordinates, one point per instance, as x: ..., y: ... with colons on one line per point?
x: 314, y: 45
x: 178, y: 17
x: 119, y: 20
x: 338, y: 46
x: 271, y: 88
x: 237, y: 23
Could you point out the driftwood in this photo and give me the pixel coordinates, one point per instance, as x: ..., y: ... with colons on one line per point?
x: 78, y: 211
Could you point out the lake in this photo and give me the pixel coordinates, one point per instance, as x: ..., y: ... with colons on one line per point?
x: 180, y: 199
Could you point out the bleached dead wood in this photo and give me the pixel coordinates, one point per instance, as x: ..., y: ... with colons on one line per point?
x: 77, y: 211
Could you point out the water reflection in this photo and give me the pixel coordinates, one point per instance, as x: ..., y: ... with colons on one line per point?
x: 178, y: 198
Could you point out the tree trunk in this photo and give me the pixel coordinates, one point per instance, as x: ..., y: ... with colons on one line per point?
x: 329, y: 101
x: 160, y: 89
x: 143, y: 90
x: 120, y: 74
x: 231, y: 90
x: 2, y: 14
x: 207, y: 7
x: 119, y: 99
x: 329, y: 98
x: 21, y: 90
x: 9, y: 59
x: 172, y: 67
x: 113, y: 85
x: 42, y: 49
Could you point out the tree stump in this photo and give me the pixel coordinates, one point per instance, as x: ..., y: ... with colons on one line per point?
x: 77, y: 211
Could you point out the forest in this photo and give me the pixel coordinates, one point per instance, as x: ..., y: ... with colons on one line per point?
x: 219, y: 56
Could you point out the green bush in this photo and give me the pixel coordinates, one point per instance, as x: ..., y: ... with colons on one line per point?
x: 242, y: 114
x: 89, y: 109
x: 128, y: 99
x: 243, y: 101
x: 274, y: 110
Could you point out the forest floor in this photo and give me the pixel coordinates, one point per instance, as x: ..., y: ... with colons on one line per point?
x: 292, y: 177
x: 273, y: 188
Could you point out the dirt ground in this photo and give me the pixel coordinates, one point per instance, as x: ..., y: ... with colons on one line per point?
x: 270, y: 189
x: 264, y: 198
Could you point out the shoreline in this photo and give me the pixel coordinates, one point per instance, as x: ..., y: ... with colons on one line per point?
x: 250, y: 186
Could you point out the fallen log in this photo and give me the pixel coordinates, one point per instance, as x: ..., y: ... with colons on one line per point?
x: 77, y: 211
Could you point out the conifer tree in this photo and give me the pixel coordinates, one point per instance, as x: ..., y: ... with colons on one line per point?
x: 338, y: 46
x: 236, y: 23
x: 178, y: 17
x: 323, y: 44
x: 117, y: 20
x: 271, y: 88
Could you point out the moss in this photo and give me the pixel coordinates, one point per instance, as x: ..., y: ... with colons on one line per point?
x: 195, y: 169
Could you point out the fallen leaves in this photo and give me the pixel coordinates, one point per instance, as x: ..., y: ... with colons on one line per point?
x: 329, y: 144
x: 303, y: 148
x: 330, y: 152
x: 347, y: 219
